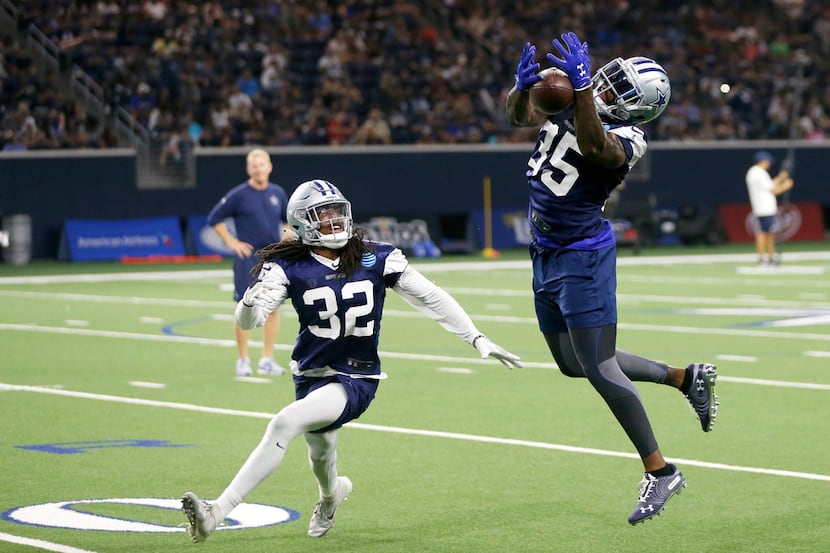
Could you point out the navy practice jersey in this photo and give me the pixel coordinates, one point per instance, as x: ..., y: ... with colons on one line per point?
x: 567, y: 192
x: 258, y: 215
x: 340, y: 317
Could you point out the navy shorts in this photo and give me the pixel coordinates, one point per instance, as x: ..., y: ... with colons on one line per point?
x: 359, y: 391
x: 766, y: 223
x: 574, y: 288
x: 242, y: 277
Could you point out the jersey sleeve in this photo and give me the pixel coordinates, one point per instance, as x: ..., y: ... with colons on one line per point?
x: 436, y: 303
x: 396, y: 263
x: 633, y: 141
x: 223, y: 209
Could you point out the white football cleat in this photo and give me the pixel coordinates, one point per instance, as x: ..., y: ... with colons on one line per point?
x: 323, y: 517
x: 202, y: 516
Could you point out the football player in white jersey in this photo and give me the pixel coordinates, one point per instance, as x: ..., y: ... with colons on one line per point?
x: 581, y: 155
x: 336, y: 281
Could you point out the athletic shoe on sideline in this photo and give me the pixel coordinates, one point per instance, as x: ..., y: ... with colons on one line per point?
x: 270, y: 367
x: 655, y: 491
x: 701, y: 393
x: 243, y: 367
x: 202, y: 517
x: 323, y: 516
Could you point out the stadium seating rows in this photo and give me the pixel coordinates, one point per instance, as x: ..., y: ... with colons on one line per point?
x: 288, y: 72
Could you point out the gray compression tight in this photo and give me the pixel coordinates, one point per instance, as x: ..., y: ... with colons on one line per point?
x: 590, y: 353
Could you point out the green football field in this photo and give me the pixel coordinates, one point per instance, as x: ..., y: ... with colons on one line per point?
x: 118, y: 395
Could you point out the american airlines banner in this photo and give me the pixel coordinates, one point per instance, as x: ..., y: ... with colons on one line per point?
x: 203, y: 240
x: 98, y: 240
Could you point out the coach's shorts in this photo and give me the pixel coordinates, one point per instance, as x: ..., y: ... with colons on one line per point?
x: 574, y: 288
x: 360, y: 393
x: 766, y: 223
x: 242, y: 277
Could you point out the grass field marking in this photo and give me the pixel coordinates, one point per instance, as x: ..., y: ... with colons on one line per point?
x: 755, y: 301
x: 724, y: 332
x: 383, y: 353
x: 411, y: 431
x: 588, y: 451
x: 747, y: 302
x: 40, y: 544
x: 132, y: 300
x: 224, y: 273
x: 786, y: 270
x: 142, y: 384
x: 455, y: 370
x: 123, y: 335
x: 778, y: 383
x: 130, y: 276
x: 737, y: 358
x: 742, y: 283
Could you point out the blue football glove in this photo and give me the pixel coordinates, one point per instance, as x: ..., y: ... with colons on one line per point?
x: 526, y: 72
x: 575, y: 61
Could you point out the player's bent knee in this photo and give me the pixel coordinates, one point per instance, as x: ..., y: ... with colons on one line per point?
x: 570, y: 372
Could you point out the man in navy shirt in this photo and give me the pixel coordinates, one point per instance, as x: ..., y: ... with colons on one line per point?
x: 581, y: 155
x: 336, y: 281
x: 257, y: 208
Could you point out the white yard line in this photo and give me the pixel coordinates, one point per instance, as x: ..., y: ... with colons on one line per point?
x: 416, y: 356
x: 409, y: 431
x: 40, y: 544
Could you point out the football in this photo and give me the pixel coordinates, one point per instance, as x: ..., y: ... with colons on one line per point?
x: 553, y: 93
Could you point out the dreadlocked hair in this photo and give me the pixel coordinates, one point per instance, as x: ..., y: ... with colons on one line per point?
x: 291, y: 250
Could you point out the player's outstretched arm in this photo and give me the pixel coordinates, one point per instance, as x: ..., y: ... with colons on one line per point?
x: 595, y: 144
x: 437, y: 304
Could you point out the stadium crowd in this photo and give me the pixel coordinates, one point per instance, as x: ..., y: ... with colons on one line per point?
x: 303, y: 72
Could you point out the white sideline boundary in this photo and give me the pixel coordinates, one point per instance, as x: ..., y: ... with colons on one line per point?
x: 410, y: 431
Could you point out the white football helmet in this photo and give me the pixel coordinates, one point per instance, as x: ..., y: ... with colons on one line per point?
x: 631, y: 91
x: 316, y: 202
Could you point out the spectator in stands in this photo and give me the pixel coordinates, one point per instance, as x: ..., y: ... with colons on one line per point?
x: 248, y: 83
x: 240, y: 105
x: 340, y: 128
x: 758, y: 44
x: 374, y: 130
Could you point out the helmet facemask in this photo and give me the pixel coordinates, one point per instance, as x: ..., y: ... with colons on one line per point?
x: 329, y: 225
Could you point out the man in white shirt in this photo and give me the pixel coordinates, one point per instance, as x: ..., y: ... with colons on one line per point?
x: 763, y: 191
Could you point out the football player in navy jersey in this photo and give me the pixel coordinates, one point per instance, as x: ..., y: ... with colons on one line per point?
x: 257, y: 208
x: 336, y: 281
x: 581, y: 155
